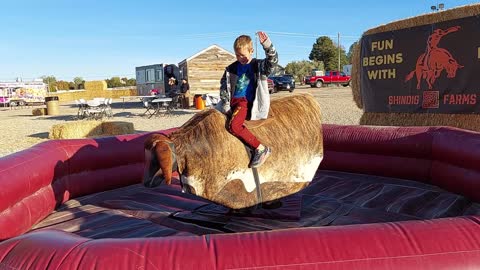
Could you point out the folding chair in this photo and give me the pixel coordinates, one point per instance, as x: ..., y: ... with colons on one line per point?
x: 107, y: 108
x: 95, y: 110
x: 161, y: 105
x: 172, y: 105
x: 147, y: 104
x: 82, y: 108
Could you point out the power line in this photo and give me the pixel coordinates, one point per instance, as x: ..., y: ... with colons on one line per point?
x: 64, y: 78
x: 272, y: 33
x: 213, y: 35
x: 293, y: 34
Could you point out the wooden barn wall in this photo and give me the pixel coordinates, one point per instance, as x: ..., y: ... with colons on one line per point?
x: 206, y: 70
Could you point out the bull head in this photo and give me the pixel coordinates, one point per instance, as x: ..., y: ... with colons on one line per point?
x: 452, y: 67
x: 159, y: 160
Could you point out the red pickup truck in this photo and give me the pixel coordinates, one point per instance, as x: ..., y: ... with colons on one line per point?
x: 332, y: 76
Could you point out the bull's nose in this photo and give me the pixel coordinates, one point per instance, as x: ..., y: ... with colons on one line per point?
x: 186, y: 188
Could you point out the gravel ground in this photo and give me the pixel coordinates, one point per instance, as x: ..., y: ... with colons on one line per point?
x: 21, y: 130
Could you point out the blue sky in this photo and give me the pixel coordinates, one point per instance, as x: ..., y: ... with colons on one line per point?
x: 98, y: 39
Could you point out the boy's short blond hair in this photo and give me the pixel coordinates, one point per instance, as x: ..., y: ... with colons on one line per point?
x: 242, y: 42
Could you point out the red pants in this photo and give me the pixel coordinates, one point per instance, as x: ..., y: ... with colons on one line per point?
x: 236, y: 126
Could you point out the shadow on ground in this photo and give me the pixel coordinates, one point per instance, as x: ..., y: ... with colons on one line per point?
x: 175, y: 113
x: 58, y: 117
x: 126, y: 105
x: 41, y: 135
x: 126, y: 114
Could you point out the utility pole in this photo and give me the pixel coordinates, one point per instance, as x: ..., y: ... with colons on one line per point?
x: 338, y: 43
x: 256, y: 45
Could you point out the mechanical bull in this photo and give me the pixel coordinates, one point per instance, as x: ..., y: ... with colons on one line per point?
x: 213, y: 164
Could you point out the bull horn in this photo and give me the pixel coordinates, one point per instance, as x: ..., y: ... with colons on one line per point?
x: 165, y: 160
x: 152, y: 175
x: 158, y: 161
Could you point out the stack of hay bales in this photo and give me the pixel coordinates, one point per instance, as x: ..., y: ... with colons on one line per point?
x: 96, y: 89
x: 92, y: 128
x: 465, y: 121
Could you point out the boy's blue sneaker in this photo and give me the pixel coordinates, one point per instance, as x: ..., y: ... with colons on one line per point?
x: 260, y: 156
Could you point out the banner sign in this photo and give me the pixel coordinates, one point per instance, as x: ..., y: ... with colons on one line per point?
x: 425, y: 69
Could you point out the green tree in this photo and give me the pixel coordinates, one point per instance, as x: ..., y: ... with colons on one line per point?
x: 131, y: 82
x: 78, y: 81
x: 326, y: 51
x: 323, y: 50
x: 114, y: 82
x: 51, y: 81
x: 350, y: 51
x: 300, y: 69
x: 63, y: 85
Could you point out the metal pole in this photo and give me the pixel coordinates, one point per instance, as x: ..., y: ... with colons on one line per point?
x: 338, y: 40
x: 256, y: 45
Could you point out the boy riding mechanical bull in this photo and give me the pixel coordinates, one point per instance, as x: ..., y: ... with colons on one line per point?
x: 218, y: 155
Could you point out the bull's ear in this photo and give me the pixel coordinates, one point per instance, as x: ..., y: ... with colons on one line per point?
x: 153, y: 175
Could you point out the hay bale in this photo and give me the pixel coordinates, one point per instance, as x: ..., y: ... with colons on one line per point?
x: 429, y: 18
x: 91, y: 128
x: 76, y: 130
x: 355, y: 79
x: 465, y: 121
x: 96, y: 86
x: 39, y: 111
x: 117, y: 128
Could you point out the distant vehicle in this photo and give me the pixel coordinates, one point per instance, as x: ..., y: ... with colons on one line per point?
x: 284, y: 82
x: 22, y: 93
x: 271, y: 88
x: 289, y: 76
x: 347, y: 69
x: 333, y: 76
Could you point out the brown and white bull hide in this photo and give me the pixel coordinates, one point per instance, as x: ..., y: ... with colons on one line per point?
x: 214, y: 164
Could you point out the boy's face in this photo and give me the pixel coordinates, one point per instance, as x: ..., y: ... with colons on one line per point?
x: 244, y: 55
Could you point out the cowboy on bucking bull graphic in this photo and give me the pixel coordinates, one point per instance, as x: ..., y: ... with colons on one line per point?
x: 431, y: 63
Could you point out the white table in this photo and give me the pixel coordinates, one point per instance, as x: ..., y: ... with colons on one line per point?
x: 96, y: 108
x: 161, y: 105
x: 138, y: 97
x: 94, y: 103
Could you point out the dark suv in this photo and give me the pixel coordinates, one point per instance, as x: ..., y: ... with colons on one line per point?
x: 284, y: 82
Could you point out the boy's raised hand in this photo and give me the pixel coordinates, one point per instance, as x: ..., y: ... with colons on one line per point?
x: 262, y: 36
